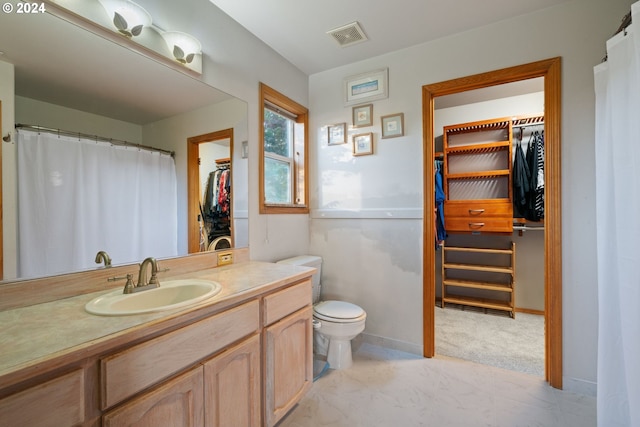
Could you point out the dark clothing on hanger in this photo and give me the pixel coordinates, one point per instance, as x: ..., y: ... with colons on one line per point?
x: 521, y: 180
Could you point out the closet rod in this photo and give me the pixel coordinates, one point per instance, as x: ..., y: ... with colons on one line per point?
x: 528, y: 125
x: 96, y: 138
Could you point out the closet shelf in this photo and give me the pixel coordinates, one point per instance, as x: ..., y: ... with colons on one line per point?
x: 480, y: 250
x: 483, y: 150
x: 478, y: 267
x: 479, y: 285
x: 480, y: 174
x: 537, y: 119
x: 491, y: 147
x: 478, y: 302
x: 484, y: 286
x: 480, y: 126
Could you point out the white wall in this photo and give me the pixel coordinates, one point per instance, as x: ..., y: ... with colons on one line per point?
x: 34, y: 112
x: 172, y: 134
x: 373, y: 254
x: 236, y: 62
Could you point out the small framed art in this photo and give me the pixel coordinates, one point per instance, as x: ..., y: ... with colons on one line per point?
x: 366, y: 86
x: 363, y: 144
x: 362, y: 115
x: 392, y: 125
x: 336, y: 134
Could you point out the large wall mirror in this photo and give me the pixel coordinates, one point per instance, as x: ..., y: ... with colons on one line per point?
x: 57, y: 74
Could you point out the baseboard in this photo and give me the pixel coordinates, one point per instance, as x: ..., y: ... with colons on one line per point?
x: 387, y: 343
x: 578, y: 386
x: 517, y: 310
x: 530, y: 311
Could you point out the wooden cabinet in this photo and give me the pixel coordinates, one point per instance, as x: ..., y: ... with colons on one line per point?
x: 477, y: 177
x: 288, y: 350
x: 178, y: 403
x: 55, y: 403
x: 232, y: 386
x: 490, y: 285
x: 134, y: 369
x: 245, y: 364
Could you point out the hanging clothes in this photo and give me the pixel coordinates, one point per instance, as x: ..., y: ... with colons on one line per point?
x: 216, y: 207
x: 535, y: 162
x: 521, y: 181
x: 441, y: 233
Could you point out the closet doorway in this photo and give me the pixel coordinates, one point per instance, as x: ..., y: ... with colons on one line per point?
x: 549, y: 70
x: 210, y: 221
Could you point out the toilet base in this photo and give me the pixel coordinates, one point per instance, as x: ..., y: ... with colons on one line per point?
x: 339, y: 354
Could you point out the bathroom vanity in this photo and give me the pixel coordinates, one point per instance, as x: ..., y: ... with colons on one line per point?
x: 241, y: 358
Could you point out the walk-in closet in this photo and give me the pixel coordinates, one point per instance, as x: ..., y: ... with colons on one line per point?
x: 489, y: 199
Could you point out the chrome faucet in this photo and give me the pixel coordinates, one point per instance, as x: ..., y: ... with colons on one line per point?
x: 102, y: 256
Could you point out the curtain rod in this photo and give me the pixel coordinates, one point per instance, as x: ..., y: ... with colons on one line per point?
x: 118, y: 142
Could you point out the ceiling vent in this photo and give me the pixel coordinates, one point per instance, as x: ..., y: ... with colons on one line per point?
x: 348, y: 35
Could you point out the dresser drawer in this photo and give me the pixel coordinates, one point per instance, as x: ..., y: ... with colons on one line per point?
x: 130, y: 371
x: 59, y: 402
x: 282, y: 303
x: 482, y: 209
x: 486, y: 225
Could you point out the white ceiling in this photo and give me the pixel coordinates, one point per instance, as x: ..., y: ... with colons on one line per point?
x: 297, y: 29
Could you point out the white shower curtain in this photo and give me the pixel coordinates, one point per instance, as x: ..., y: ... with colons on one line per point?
x: 77, y: 197
x: 617, y: 86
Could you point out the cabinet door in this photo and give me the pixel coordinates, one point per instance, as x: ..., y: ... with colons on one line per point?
x: 232, y: 386
x: 288, y: 363
x: 178, y: 403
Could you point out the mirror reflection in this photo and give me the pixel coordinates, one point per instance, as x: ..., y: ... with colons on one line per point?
x: 60, y: 76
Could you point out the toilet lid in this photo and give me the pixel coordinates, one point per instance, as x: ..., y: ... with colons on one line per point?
x: 338, y: 310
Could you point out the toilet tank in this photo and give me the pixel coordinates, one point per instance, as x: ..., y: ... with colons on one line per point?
x: 308, y: 261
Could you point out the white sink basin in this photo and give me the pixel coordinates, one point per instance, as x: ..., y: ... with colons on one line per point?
x: 171, y: 294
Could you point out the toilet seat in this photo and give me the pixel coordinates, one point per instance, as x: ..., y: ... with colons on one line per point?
x: 338, y: 311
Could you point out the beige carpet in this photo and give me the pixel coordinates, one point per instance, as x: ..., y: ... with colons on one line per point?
x: 493, y: 339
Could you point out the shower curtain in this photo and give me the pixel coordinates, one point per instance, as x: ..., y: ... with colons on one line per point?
x: 617, y: 86
x: 77, y: 197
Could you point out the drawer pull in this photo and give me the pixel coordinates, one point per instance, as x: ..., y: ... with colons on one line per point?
x: 476, y: 224
x: 476, y: 211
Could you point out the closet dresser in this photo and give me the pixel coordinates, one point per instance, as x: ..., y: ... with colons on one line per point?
x: 477, y: 185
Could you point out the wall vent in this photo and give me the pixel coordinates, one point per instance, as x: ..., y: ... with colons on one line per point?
x: 348, y: 35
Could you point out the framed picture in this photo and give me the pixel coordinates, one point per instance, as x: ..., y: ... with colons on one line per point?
x: 362, y: 115
x: 363, y: 144
x: 366, y: 86
x: 336, y: 134
x: 392, y: 125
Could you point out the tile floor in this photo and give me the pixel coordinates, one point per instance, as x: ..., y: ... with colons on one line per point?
x: 390, y: 388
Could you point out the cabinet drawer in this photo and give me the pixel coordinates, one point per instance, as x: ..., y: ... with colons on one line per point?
x: 286, y: 301
x: 126, y: 373
x: 59, y: 402
x: 478, y: 209
x: 494, y: 225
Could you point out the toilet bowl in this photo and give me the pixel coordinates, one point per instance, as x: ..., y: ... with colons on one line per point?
x: 338, y: 322
x: 335, y: 323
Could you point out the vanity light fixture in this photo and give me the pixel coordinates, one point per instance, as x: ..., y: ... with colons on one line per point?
x: 184, y: 47
x: 126, y: 16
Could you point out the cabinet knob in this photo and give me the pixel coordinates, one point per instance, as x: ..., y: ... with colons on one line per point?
x: 476, y: 211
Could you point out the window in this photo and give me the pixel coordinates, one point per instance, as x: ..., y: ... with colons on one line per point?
x: 284, y: 154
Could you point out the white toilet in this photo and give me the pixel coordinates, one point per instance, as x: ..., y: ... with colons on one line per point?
x: 337, y: 322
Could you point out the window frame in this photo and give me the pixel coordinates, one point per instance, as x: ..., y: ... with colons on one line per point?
x: 300, y: 162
